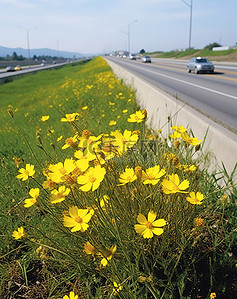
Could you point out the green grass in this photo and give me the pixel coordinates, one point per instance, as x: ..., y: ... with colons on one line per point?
x: 184, y: 261
x: 55, y: 93
x: 193, y: 52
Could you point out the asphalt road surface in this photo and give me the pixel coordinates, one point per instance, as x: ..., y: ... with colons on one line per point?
x: 214, y: 95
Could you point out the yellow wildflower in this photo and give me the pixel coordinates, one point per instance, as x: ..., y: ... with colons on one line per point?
x: 70, y: 117
x: 83, y: 160
x: 136, y: 117
x: 128, y: 176
x: 195, y: 199
x: 124, y: 141
x: 45, y: 118
x: 152, y: 175
x: 59, y: 138
x: 172, y: 184
x: 104, y: 201
x: 188, y: 168
x: 59, y: 171
x: 150, y: 226
x: 89, y: 249
x: 71, y: 296
x: 193, y: 141
x: 34, y: 193
x: 212, y: 295
x: 70, y: 142
x: 108, y: 255
x: 117, y: 288
x: 48, y: 183
x: 27, y: 172
x: 59, y: 195
x: 84, y: 108
x: 112, y: 123
x: 78, y: 219
x: 19, y: 233
x: 175, y: 135
x: 92, y: 178
x: 180, y: 129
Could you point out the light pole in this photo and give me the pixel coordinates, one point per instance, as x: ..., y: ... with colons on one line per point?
x: 190, y: 22
x: 28, y: 41
x: 129, y: 35
x: 58, y: 48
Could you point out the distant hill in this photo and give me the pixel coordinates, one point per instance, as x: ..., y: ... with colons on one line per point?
x: 4, y: 51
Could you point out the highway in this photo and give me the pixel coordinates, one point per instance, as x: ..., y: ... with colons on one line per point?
x: 26, y: 69
x: 214, y: 95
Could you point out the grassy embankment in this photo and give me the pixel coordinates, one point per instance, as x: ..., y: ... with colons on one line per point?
x: 223, y: 55
x: 76, y: 213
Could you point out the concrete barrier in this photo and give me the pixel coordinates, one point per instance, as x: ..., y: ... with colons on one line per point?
x: 165, y: 110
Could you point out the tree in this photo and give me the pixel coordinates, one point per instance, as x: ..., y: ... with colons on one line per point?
x: 210, y: 46
x: 142, y: 51
x: 14, y: 56
x: 21, y: 57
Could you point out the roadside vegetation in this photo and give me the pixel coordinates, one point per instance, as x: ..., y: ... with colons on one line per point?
x: 95, y: 204
x: 224, y: 55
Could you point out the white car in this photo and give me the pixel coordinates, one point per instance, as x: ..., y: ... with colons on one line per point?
x: 132, y: 56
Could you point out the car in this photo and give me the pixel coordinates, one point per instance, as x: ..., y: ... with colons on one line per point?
x: 200, y: 65
x: 10, y: 68
x: 17, y: 68
x: 146, y: 59
x: 132, y: 56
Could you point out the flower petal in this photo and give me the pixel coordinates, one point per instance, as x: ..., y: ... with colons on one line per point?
x: 68, y: 221
x: 147, y: 234
x: 151, y: 216
x: 159, y: 223
x: 184, y: 185
x: 139, y: 228
x: 73, y: 211
x: 76, y: 228
x: 158, y: 231
x: 141, y: 219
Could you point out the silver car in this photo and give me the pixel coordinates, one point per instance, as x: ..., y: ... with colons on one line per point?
x: 146, y: 59
x: 10, y: 68
x: 200, y: 65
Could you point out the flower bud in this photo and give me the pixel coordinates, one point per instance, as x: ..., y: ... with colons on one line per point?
x: 144, y: 112
x: 176, y: 143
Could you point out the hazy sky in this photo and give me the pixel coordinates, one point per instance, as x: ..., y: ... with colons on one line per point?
x: 98, y: 26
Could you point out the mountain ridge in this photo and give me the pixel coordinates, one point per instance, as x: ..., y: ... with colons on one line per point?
x: 4, y: 51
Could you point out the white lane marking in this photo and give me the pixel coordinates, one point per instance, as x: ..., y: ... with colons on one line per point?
x: 195, y: 85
